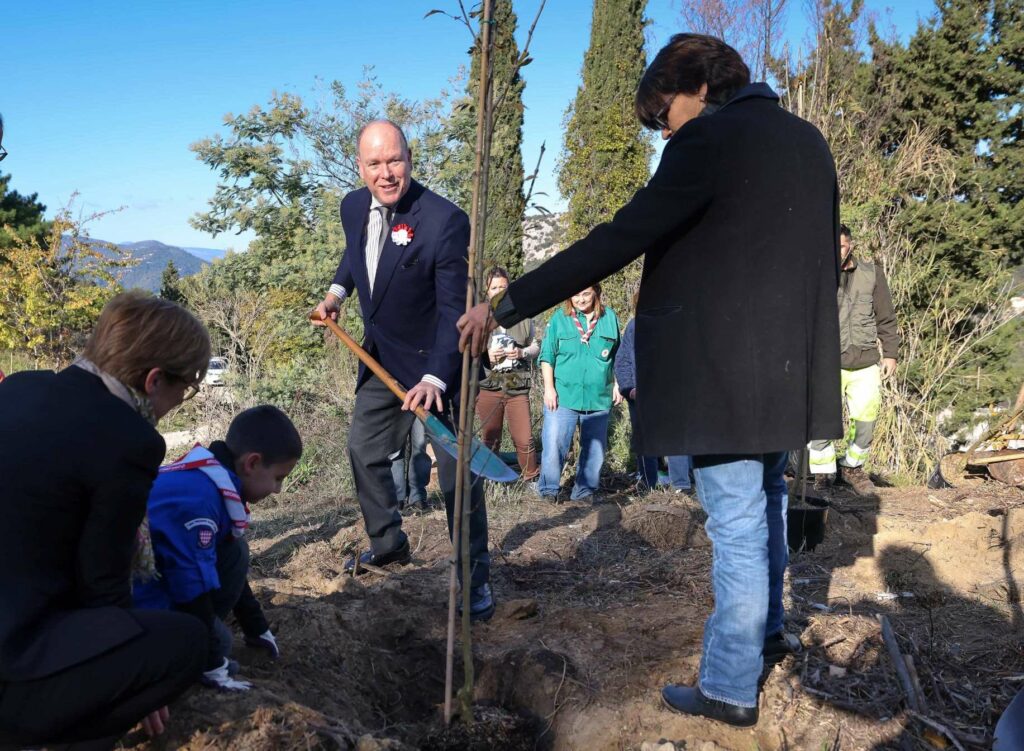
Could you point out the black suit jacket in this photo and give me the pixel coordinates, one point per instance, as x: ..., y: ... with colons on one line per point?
x: 737, y: 335
x: 420, y: 289
x: 76, y: 467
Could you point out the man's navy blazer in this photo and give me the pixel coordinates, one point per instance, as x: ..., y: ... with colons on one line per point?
x: 420, y: 289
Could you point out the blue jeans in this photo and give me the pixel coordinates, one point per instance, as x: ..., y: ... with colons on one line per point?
x: 745, y: 499
x: 678, y: 471
x: 647, y: 466
x: 411, y: 483
x: 559, y: 426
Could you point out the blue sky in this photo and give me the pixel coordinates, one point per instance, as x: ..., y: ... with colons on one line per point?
x: 104, y: 97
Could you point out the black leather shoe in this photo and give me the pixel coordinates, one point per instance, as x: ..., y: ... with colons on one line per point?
x: 400, y: 556
x: 778, y: 647
x: 690, y: 700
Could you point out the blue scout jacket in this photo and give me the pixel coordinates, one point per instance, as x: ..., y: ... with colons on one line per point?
x: 188, y: 519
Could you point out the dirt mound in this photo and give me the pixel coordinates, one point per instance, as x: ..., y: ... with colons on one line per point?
x: 600, y: 606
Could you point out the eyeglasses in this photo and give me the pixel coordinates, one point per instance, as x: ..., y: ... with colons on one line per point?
x: 191, y: 385
x: 661, y: 119
x: 3, y: 153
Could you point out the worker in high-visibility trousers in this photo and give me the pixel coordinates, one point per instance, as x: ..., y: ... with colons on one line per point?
x: 866, y: 319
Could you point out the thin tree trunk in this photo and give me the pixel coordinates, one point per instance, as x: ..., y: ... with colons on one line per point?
x: 469, y: 383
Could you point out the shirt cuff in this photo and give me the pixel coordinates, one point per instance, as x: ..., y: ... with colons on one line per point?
x: 506, y: 314
x: 338, y: 291
x: 435, y: 381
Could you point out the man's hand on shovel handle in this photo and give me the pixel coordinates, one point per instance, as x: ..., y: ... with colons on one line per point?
x: 474, y: 327
x: 329, y: 307
x: 423, y: 392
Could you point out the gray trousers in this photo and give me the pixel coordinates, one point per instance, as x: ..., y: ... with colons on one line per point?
x: 379, y: 430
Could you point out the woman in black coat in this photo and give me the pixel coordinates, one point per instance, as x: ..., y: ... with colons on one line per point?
x: 78, y: 454
x: 739, y: 229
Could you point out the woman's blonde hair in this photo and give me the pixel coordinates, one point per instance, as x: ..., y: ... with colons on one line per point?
x: 137, y: 332
x: 598, y: 305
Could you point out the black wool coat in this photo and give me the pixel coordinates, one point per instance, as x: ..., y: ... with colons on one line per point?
x: 76, y: 467
x: 737, y: 335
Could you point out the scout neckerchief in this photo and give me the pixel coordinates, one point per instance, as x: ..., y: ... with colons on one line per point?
x: 585, y: 335
x: 202, y: 459
x: 143, y: 566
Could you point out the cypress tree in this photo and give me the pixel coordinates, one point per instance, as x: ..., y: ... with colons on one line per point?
x: 606, y: 155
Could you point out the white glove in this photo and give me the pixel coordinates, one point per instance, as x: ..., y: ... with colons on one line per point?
x: 266, y: 642
x: 218, y: 678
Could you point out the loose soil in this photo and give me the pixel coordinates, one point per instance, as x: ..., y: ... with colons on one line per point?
x: 601, y: 605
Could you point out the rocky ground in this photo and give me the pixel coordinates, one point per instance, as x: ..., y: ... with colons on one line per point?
x: 603, y: 604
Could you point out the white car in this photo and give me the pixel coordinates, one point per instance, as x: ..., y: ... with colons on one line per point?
x: 216, y: 371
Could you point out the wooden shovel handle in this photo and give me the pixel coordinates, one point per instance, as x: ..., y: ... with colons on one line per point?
x: 367, y: 359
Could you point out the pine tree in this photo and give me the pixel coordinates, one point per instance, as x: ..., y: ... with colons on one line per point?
x: 606, y: 155
x: 1003, y: 128
x: 960, y: 77
x: 22, y: 215
x: 506, y: 203
x: 170, y: 283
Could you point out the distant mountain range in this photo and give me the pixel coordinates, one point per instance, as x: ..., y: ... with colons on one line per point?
x: 153, y: 257
x: 207, y: 254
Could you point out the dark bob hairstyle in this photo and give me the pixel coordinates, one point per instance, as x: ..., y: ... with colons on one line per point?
x: 681, y: 66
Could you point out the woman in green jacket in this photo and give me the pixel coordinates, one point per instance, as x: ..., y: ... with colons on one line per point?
x: 576, y: 362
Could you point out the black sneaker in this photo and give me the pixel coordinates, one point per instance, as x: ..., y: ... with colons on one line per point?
x: 414, y: 508
x: 481, y: 603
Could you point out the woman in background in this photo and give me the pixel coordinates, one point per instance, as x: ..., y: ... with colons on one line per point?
x: 576, y: 361
x: 505, y: 391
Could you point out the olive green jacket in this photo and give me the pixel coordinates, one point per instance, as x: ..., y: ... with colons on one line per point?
x: 866, y: 316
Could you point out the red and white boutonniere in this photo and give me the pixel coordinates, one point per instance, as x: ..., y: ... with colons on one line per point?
x: 401, y: 234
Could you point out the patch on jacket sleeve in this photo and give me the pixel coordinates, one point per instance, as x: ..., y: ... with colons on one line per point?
x: 205, y: 531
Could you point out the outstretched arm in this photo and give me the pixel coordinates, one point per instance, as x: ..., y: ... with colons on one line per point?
x: 679, y: 192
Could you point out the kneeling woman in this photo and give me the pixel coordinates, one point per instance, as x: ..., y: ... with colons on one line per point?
x: 78, y: 453
x: 576, y: 361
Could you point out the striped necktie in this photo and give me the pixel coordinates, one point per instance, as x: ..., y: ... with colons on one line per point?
x: 376, y: 234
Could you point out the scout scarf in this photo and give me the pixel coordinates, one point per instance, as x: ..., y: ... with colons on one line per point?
x: 585, y: 335
x: 200, y: 458
x: 143, y: 566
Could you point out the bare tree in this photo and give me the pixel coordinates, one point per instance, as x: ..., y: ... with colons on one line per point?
x: 753, y: 27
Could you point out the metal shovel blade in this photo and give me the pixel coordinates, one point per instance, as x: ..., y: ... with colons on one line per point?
x: 483, y: 461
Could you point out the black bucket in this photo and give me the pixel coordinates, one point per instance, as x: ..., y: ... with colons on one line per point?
x: 805, y: 523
